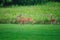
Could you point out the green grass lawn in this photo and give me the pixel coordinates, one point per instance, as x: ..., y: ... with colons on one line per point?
x: 29, y: 32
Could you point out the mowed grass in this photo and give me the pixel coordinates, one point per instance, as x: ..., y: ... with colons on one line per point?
x: 29, y: 32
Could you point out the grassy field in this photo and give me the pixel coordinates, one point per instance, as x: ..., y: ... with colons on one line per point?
x: 29, y: 32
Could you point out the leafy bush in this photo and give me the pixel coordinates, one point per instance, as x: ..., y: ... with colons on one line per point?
x: 58, y: 20
x: 46, y: 21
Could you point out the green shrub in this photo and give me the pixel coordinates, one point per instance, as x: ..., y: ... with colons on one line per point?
x: 58, y: 20
x: 46, y: 21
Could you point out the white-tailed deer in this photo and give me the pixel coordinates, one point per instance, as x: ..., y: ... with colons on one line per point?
x: 22, y: 20
x: 53, y: 19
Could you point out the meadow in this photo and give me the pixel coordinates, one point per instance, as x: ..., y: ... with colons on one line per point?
x: 29, y: 32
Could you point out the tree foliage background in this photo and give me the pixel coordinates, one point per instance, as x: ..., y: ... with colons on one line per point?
x: 24, y: 2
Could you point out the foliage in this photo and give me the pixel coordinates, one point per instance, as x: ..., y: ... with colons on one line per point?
x: 37, y: 12
x: 23, y: 2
